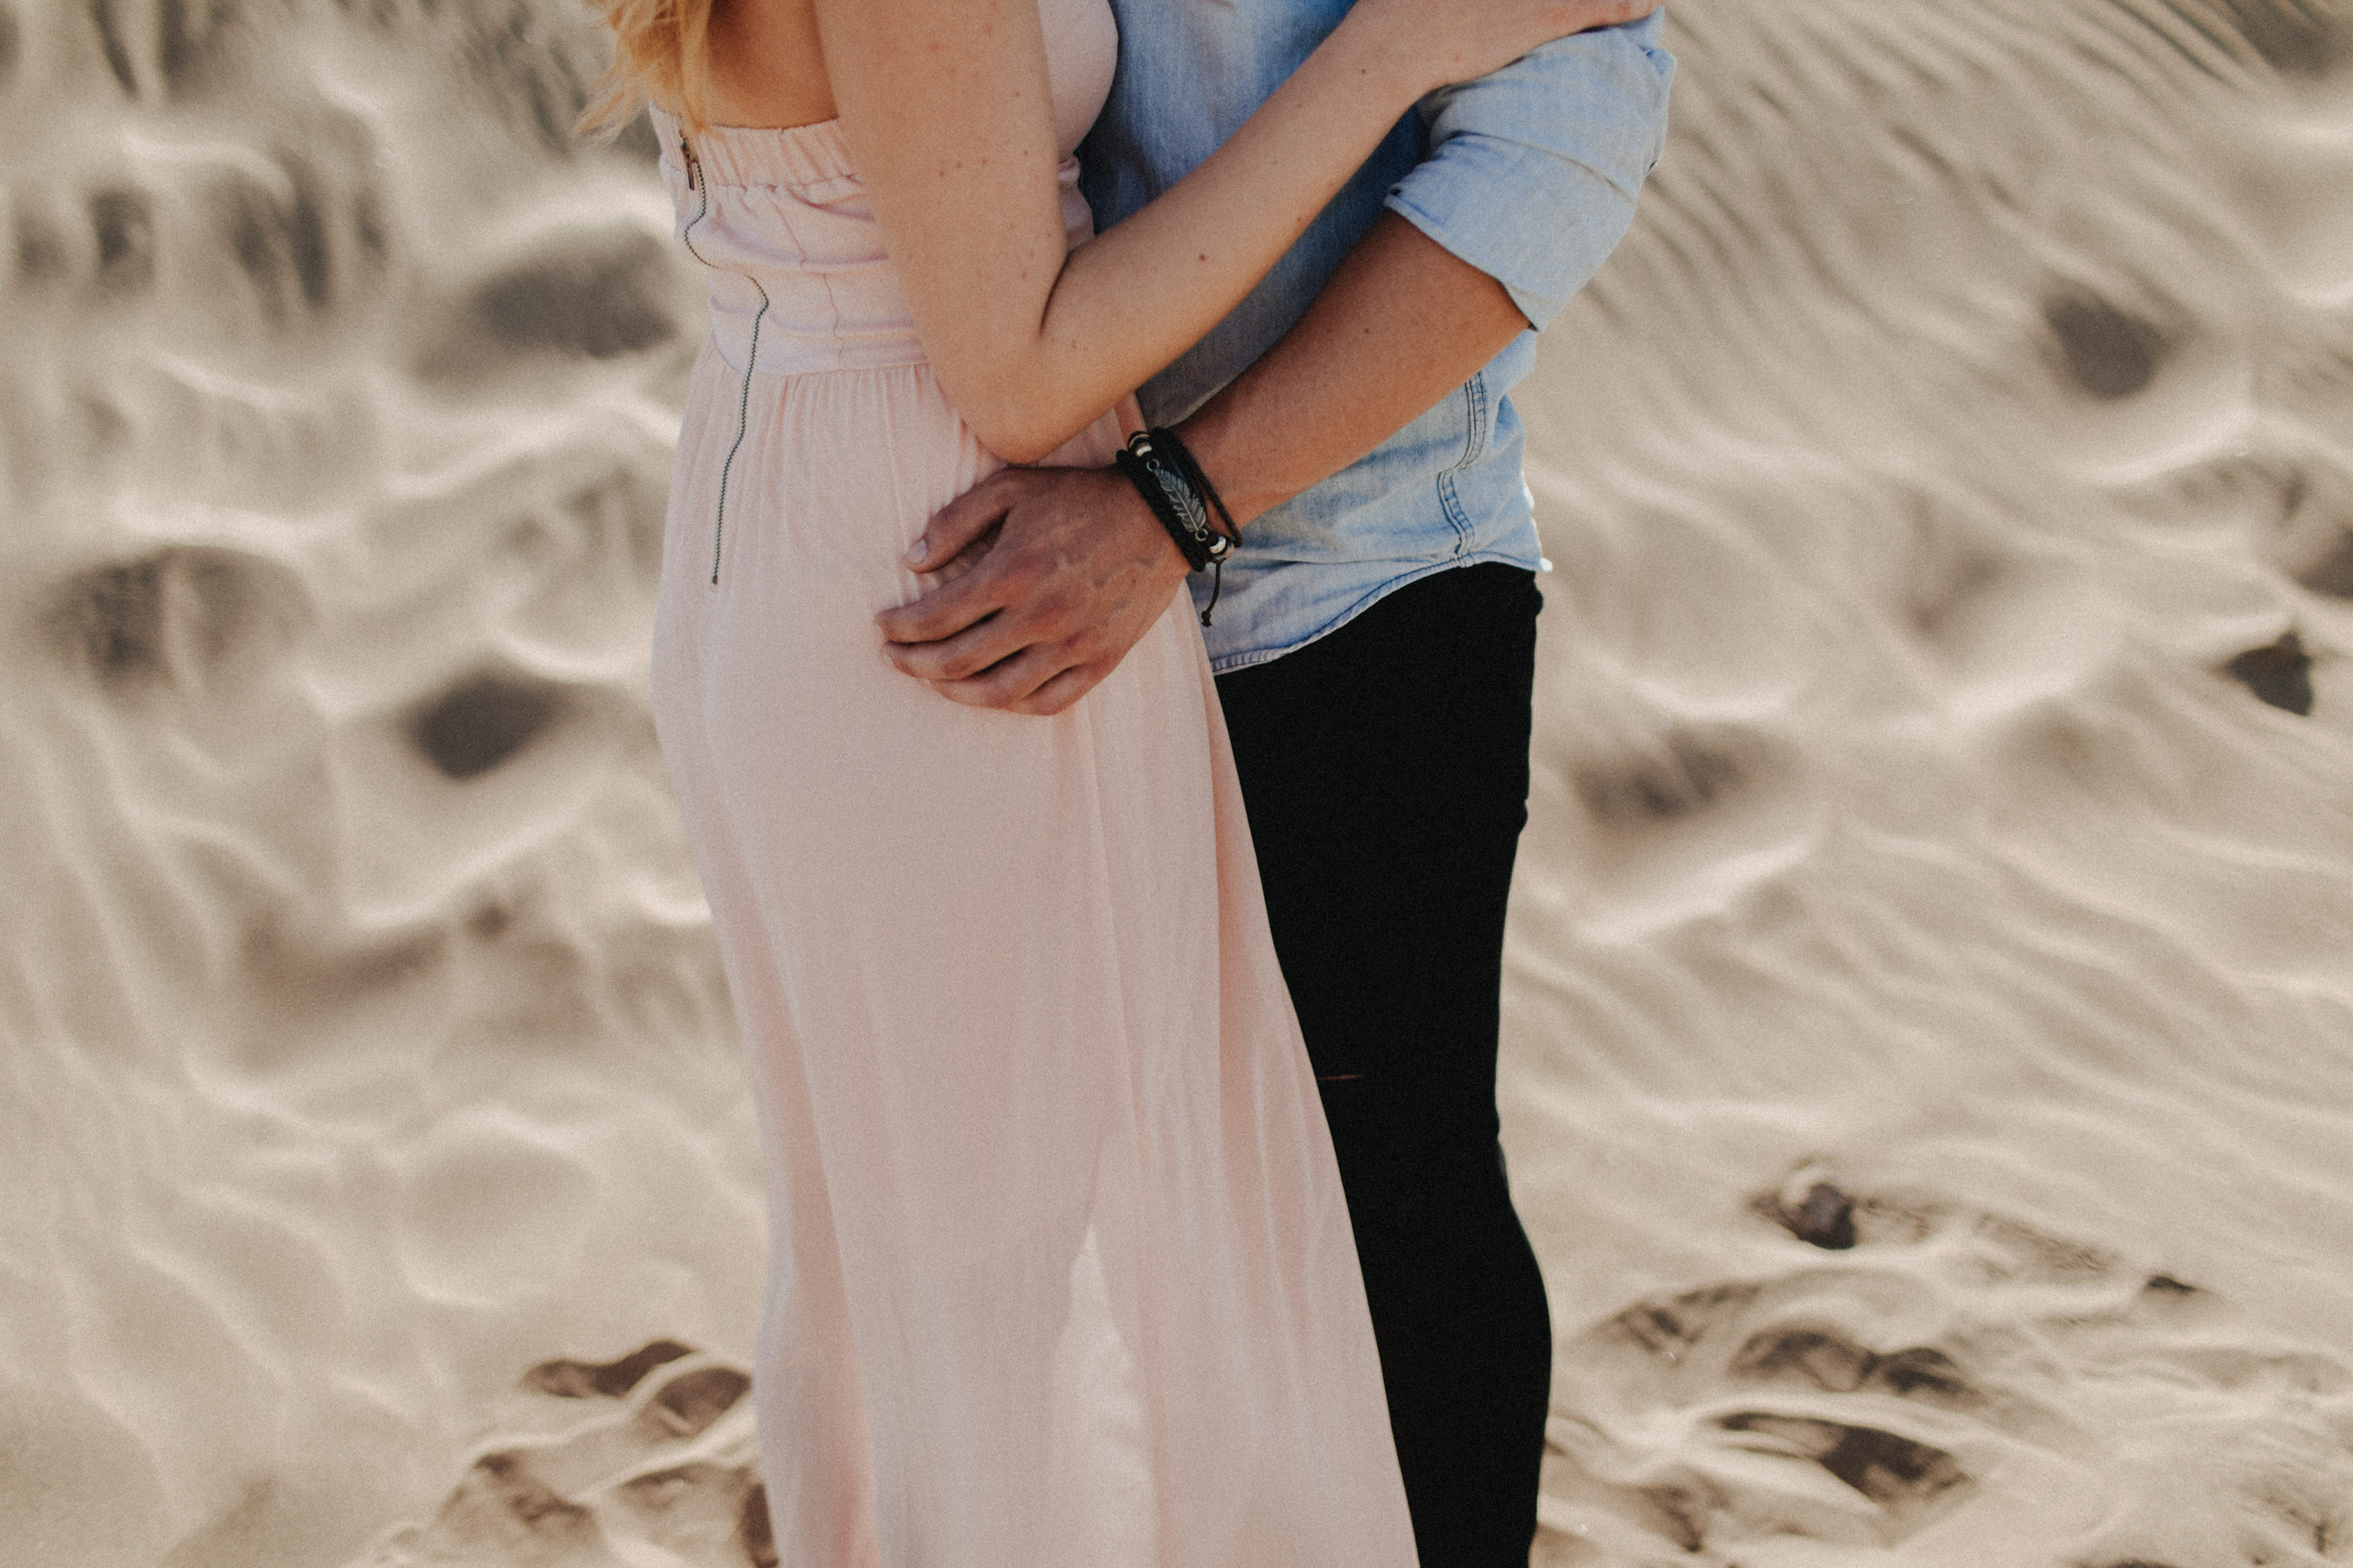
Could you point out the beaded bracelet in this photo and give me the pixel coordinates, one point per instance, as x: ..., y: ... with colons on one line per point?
x: 1172, y: 484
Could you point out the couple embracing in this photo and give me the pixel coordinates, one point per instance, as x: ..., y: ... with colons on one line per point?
x: 1135, y: 1194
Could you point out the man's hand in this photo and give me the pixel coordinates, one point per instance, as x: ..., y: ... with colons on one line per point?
x: 1082, y: 567
x: 1075, y: 575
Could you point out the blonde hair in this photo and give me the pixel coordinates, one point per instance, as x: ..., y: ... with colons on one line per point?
x: 662, y: 55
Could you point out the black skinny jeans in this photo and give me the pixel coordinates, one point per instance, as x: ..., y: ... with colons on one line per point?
x: 1385, y: 770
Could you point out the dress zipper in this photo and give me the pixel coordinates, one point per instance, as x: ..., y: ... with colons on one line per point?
x: 696, y: 180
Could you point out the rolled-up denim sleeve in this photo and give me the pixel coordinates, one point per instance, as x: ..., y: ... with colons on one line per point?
x: 1532, y: 173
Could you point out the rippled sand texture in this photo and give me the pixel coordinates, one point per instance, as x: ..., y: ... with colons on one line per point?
x: 366, y: 1045
x: 1930, y: 1071
x: 1931, y: 999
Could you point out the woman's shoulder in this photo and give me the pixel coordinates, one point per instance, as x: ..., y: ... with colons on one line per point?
x: 766, y: 69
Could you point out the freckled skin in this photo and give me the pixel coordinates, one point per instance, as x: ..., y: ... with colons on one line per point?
x: 1031, y: 356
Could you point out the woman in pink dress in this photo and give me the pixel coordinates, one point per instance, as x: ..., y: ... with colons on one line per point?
x: 1060, y: 1271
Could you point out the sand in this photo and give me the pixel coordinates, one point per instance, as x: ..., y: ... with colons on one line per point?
x: 1930, y: 1042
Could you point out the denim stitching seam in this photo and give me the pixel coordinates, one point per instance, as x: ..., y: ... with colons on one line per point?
x: 1474, y: 423
x: 1452, y: 505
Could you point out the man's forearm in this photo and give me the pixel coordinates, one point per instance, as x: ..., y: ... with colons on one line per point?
x: 1403, y: 323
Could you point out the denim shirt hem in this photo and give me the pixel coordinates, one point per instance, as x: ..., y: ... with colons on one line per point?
x: 1249, y: 657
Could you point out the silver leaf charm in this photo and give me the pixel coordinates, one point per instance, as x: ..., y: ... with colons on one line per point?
x: 1188, y: 505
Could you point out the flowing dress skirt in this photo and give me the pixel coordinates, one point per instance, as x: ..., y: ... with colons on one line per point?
x: 1060, y: 1274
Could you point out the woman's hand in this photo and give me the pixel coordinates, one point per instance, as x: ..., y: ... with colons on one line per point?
x: 1461, y: 41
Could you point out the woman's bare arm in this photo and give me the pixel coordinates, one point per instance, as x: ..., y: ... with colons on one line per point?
x: 946, y: 109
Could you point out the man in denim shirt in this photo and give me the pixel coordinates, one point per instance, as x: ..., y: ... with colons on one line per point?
x: 1375, y: 639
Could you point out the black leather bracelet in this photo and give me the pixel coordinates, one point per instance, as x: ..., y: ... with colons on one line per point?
x: 1165, y: 440
x: 1146, y: 477
x: 1160, y: 478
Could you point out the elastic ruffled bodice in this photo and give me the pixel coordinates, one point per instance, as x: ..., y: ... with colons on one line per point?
x: 799, y: 278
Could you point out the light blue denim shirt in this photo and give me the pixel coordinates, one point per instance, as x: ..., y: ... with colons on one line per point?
x: 1529, y: 175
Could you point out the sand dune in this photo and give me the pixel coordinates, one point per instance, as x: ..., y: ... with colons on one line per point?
x: 1930, y: 1010
x: 1946, y: 740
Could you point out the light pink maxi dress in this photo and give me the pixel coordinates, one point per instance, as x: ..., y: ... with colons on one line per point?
x: 1060, y: 1271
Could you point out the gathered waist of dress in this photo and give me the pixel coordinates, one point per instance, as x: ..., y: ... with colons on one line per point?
x: 800, y: 280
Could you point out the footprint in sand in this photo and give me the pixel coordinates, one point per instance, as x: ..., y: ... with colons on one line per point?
x: 483, y: 719
x: 1930, y: 1384
x: 2280, y: 673
x: 2109, y: 353
x: 662, y: 1467
x: 584, y: 295
x: 185, y: 618
x: 1685, y: 822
